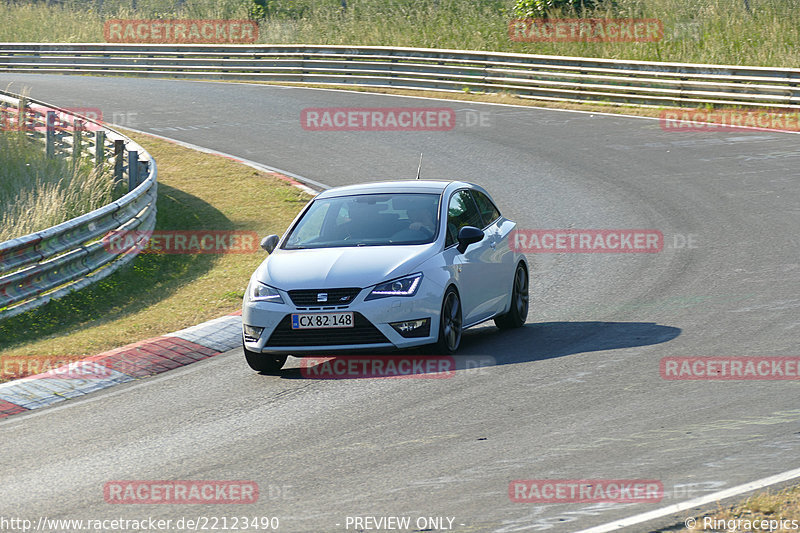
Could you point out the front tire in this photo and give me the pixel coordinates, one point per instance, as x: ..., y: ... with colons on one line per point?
x: 450, y: 322
x: 518, y: 313
x: 262, y: 362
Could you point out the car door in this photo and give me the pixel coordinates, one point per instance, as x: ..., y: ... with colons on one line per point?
x: 501, y: 261
x: 478, y: 294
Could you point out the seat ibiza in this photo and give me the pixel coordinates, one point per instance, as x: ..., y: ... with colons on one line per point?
x: 384, y: 265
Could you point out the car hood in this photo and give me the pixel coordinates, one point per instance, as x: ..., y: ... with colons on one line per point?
x: 341, y: 267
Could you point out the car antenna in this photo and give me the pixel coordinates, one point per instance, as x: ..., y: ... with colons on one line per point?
x: 419, y: 168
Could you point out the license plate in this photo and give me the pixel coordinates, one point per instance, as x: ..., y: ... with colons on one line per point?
x: 322, y: 320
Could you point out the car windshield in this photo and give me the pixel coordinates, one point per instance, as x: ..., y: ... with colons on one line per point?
x: 367, y: 220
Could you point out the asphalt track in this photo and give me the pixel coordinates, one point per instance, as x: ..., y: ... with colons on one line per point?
x: 576, y: 394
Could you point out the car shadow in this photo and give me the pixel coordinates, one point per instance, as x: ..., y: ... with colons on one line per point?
x: 486, y: 346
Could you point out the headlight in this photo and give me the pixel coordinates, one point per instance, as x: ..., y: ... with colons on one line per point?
x: 264, y: 293
x: 406, y: 286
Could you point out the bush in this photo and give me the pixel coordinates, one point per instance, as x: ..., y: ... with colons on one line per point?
x: 540, y: 8
x: 279, y: 9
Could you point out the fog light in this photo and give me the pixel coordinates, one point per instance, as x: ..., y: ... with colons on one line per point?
x: 413, y: 328
x: 252, y: 333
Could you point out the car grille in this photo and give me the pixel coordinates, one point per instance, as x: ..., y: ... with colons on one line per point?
x: 362, y: 332
x: 336, y: 297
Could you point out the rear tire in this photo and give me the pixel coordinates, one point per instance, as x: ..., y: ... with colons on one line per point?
x: 262, y: 362
x: 518, y: 312
x: 450, y: 322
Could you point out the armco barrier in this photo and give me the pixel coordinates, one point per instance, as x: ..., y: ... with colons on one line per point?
x: 50, y: 263
x: 529, y: 76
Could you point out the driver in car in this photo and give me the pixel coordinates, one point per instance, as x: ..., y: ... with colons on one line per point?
x: 422, y: 220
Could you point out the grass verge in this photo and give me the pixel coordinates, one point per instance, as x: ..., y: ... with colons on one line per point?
x: 485, y: 97
x: 755, y: 514
x: 160, y: 293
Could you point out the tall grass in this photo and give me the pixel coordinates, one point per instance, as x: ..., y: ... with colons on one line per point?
x: 37, y: 192
x: 81, y: 21
x: 696, y: 31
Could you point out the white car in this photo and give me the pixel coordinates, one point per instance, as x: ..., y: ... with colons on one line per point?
x: 384, y: 265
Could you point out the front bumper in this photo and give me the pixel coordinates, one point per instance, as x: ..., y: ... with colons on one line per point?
x: 371, y: 331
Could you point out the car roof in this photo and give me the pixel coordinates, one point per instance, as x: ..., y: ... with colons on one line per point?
x: 397, y: 186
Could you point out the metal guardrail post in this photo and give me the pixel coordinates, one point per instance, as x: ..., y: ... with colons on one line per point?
x: 119, y: 154
x: 143, y: 170
x: 77, y: 141
x: 51, y: 263
x: 50, y: 133
x: 99, y: 148
x: 22, y: 113
x: 133, y: 169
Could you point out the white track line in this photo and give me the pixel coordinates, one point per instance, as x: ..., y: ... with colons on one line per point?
x: 697, y: 502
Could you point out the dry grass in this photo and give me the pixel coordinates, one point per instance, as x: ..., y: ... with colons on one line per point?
x: 37, y: 192
x: 81, y: 21
x: 695, y: 31
x: 776, y: 506
x: 484, y: 97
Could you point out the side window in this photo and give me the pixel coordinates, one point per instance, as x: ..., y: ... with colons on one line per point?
x: 461, y: 211
x: 489, y: 212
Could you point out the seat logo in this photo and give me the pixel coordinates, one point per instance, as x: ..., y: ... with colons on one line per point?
x: 322, y: 297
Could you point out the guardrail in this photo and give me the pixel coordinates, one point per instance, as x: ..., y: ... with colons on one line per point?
x: 48, y: 264
x: 529, y: 76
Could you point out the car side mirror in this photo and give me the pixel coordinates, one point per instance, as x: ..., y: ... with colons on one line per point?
x: 269, y: 243
x: 468, y: 235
